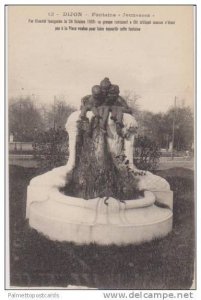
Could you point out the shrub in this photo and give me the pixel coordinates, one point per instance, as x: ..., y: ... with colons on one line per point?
x: 146, y: 154
x: 51, y: 148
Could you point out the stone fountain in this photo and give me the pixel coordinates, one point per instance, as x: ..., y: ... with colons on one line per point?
x: 99, y: 196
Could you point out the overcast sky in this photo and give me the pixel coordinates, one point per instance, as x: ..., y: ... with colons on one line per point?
x: 156, y: 63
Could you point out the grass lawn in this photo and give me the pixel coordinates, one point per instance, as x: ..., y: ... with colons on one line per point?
x: 166, y: 263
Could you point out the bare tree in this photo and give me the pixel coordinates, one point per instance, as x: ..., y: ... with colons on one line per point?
x: 58, y: 113
x: 132, y: 98
x: 24, y: 118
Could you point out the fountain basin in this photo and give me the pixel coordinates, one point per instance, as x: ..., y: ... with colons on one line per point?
x: 100, y: 220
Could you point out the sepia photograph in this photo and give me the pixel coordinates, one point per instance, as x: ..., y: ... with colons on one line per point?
x: 100, y: 141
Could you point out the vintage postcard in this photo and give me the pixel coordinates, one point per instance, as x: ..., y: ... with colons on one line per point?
x: 101, y: 109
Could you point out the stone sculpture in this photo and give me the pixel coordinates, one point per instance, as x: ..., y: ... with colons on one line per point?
x: 99, y: 196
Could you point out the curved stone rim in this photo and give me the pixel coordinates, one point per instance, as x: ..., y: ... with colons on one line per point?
x: 148, y: 199
x: 105, y: 225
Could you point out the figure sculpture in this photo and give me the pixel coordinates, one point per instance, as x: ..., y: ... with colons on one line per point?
x: 105, y: 98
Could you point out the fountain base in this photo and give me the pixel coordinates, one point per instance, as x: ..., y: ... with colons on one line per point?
x: 103, y: 221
